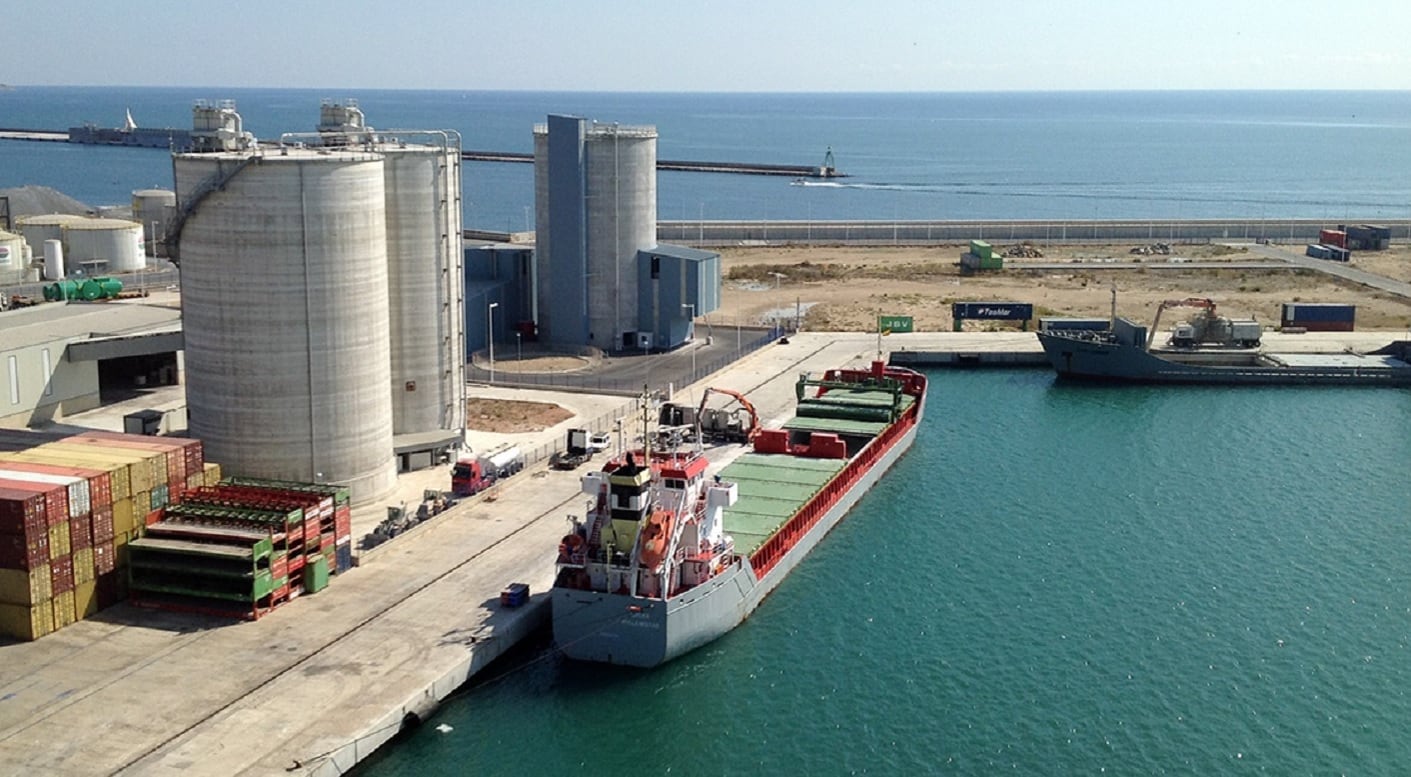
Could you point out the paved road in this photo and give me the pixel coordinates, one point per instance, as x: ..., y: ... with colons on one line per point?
x: 1339, y: 269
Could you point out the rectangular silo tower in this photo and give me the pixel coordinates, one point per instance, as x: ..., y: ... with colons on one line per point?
x: 561, y: 239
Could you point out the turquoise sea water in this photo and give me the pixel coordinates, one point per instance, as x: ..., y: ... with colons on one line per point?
x: 1056, y: 579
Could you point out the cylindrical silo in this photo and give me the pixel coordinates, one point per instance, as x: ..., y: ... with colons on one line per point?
x: 12, y: 258
x: 152, y: 209
x: 54, y: 260
x: 621, y: 219
x: 284, y: 300
x: 425, y: 282
x: 115, y: 242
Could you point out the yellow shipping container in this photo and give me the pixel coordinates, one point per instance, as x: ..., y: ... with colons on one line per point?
x: 63, y: 610
x: 53, y: 453
x: 212, y: 472
x: 124, y: 519
x: 85, y: 599
x: 27, y: 621
x: 27, y: 588
x: 59, y: 542
x: 83, y: 565
x: 120, y: 541
x: 141, y: 507
x: 138, y: 464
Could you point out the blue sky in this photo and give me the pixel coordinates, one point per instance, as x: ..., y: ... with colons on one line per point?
x: 724, y: 45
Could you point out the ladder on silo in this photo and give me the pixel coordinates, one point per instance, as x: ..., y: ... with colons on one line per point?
x: 213, y: 183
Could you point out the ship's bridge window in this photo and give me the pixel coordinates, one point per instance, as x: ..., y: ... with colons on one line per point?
x: 626, y: 501
x: 676, y: 483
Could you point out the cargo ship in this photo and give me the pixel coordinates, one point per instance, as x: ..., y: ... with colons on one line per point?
x: 666, y: 559
x: 1123, y: 353
x: 129, y: 134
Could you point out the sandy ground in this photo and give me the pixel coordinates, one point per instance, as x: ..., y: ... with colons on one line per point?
x: 843, y: 288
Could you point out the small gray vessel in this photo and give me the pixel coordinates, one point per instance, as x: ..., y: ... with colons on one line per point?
x: 1122, y: 354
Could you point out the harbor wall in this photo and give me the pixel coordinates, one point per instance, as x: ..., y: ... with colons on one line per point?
x: 708, y: 233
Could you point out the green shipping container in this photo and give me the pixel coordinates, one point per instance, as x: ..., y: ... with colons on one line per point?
x: 316, y: 574
x: 981, y: 249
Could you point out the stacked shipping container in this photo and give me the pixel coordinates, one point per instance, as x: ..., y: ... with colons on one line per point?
x: 68, y: 509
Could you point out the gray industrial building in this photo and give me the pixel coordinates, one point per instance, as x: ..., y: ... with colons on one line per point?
x: 57, y: 360
x: 600, y: 278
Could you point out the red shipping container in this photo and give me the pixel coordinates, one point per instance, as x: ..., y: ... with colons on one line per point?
x: 61, y: 574
x: 24, y: 552
x: 81, y: 532
x: 56, y: 498
x: 105, y: 557
x: 111, y: 588
x: 100, y: 482
x: 1333, y: 237
x: 103, y: 525
x: 22, y: 513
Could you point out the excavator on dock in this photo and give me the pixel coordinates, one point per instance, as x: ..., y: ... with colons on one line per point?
x: 739, y: 424
x: 1206, y: 328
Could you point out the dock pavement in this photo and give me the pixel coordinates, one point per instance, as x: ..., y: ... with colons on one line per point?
x: 319, y: 684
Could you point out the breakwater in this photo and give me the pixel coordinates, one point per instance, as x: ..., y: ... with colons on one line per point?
x: 881, y: 232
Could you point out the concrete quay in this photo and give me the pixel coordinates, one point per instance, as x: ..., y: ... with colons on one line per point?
x: 319, y: 684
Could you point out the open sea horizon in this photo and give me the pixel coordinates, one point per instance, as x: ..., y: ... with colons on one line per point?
x: 1337, y: 156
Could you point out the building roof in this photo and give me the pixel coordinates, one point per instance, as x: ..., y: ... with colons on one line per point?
x: 66, y: 322
x: 681, y: 252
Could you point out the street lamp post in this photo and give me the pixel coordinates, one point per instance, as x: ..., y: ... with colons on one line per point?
x: 693, y: 337
x: 518, y: 348
x: 490, y: 335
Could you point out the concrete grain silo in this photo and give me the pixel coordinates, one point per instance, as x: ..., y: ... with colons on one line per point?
x: 425, y: 274
x: 595, y: 208
x: 285, y: 310
x: 104, y: 245
x: 425, y: 283
x: 152, y: 208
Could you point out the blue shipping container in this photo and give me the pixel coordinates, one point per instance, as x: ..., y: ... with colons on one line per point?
x: 993, y: 311
x: 1295, y: 312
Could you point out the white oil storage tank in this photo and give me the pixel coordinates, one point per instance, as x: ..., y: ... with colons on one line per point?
x: 54, y: 260
x: 13, y: 265
x: 104, y: 245
x: 152, y: 209
x: 37, y: 229
x: 284, y: 305
x: 425, y: 281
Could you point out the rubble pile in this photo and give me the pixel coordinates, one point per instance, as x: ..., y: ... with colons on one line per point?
x: 1154, y: 249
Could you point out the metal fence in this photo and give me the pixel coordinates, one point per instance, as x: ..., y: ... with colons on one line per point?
x: 660, y: 380
x: 674, y: 370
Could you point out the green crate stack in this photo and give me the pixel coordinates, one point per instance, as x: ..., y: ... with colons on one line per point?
x: 208, y: 568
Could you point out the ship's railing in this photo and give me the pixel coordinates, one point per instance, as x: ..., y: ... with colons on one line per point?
x: 773, y: 549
